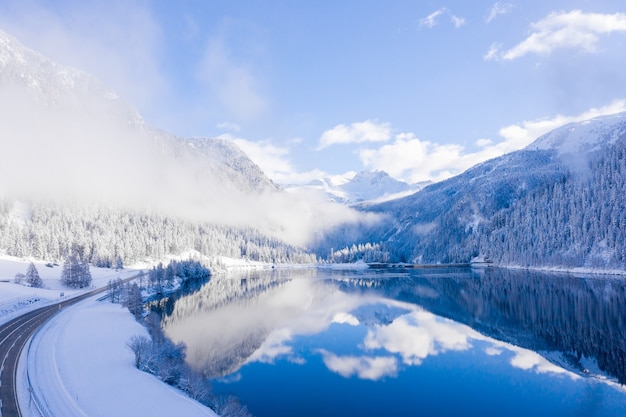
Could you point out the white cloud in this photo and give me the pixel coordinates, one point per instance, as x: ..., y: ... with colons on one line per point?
x: 411, y: 159
x: 360, y: 132
x: 457, y: 21
x: 499, y: 9
x: 493, y: 53
x: 571, y: 30
x: 519, y: 135
x: 233, y: 83
x: 431, y: 20
x: 273, y: 160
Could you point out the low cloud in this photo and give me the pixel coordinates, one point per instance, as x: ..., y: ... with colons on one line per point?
x: 118, y: 41
x: 272, y: 159
x: 81, y: 148
x: 360, y: 132
x: 233, y: 83
x: 563, y: 30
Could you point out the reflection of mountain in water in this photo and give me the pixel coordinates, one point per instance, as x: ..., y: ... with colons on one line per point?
x: 229, y: 318
x: 254, y: 317
x: 575, y: 317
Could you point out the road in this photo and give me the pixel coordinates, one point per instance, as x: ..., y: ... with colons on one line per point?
x: 14, y: 336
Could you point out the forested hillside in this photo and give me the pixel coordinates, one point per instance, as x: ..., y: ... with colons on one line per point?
x: 577, y: 221
x: 107, y: 235
x: 559, y: 203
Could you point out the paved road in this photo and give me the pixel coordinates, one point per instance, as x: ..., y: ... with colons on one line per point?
x: 13, y: 338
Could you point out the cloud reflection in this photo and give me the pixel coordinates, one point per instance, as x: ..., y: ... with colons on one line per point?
x: 364, y: 367
x: 265, y: 327
x: 419, y: 334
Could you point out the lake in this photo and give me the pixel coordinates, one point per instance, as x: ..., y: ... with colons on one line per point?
x: 409, y: 342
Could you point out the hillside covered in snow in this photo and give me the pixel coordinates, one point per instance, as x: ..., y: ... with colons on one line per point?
x: 558, y: 203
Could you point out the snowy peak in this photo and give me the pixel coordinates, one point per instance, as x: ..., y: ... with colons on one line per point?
x: 583, y: 137
x: 365, y: 186
x: 24, y: 71
x: 371, y: 185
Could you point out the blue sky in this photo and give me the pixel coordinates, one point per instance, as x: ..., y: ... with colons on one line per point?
x: 420, y: 89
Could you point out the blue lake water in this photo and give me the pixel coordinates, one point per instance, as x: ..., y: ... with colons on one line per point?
x: 457, y: 342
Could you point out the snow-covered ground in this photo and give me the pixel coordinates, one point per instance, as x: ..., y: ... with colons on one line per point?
x: 16, y: 299
x: 79, y: 365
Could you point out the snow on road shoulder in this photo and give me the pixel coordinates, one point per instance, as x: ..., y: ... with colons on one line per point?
x: 80, y: 365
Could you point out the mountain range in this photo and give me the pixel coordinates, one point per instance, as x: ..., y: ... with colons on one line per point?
x: 360, y: 187
x: 557, y: 203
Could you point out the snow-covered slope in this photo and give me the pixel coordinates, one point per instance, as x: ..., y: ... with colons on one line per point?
x: 558, y: 203
x: 363, y: 186
x: 583, y: 137
x: 36, y: 91
x: 24, y: 71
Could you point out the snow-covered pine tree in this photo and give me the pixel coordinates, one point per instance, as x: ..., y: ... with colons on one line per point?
x: 32, y: 276
x: 76, y: 273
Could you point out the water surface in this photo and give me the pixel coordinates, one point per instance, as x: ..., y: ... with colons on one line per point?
x: 410, y: 342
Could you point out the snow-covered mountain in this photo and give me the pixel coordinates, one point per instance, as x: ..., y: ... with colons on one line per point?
x: 27, y: 72
x: 51, y: 92
x: 558, y: 203
x: 80, y: 160
x: 583, y: 137
x: 363, y: 186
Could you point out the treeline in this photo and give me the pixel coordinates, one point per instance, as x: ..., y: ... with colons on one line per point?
x: 112, y: 237
x: 367, y: 252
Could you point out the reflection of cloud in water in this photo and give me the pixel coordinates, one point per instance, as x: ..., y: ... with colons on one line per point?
x: 364, y: 367
x: 223, y: 335
x: 221, y: 338
x: 532, y: 361
x: 418, y: 335
x: 345, y: 318
x: 493, y: 351
x: 274, y: 346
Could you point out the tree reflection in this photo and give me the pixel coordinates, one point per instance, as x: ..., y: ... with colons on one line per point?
x: 578, y: 317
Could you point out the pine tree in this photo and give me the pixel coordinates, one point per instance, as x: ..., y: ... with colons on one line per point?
x: 75, y: 273
x: 32, y: 276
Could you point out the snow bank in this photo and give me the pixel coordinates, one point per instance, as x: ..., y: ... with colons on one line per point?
x: 79, y: 365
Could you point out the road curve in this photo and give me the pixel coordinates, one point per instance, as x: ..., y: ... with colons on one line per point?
x: 14, y: 335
